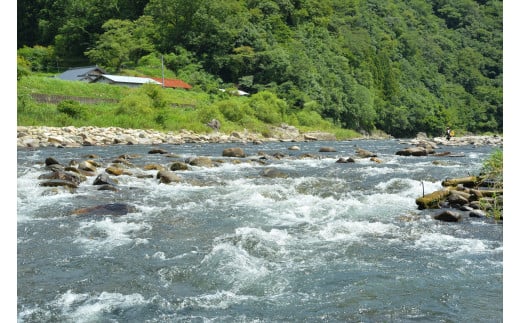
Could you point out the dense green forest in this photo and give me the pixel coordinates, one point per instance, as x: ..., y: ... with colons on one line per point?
x: 400, y: 66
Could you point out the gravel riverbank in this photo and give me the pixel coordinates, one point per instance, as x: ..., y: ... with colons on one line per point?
x: 34, y: 137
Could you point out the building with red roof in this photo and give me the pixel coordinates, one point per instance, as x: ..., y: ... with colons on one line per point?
x: 172, y: 83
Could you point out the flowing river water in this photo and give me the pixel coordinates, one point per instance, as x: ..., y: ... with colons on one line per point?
x: 333, y: 242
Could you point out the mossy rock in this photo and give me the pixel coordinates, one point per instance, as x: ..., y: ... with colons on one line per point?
x: 432, y: 200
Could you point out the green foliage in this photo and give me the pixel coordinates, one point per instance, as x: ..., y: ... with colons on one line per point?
x: 151, y: 65
x: 123, y: 42
x: 155, y: 93
x: 234, y: 110
x: 206, y: 113
x: 493, y: 167
x: 72, y: 109
x: 135, y: 104
x: 23, y: 67
x: 309, y: 119
x: 152, y: 107
x: 39, y: 84
x: 36, y: 58
x: 493, y: 170
x: 267, y: 107
x: 396, y: 66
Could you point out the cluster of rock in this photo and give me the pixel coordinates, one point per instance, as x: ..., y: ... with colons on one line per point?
x: 423, y: 146
x: 469, y: 195
x: 34, y: 137
x: 75, y: 172
x: 474, y: 196
x: 103, y: 175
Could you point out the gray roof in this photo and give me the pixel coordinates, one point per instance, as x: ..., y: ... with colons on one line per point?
x: 80, y: 73
x: 129, y: 79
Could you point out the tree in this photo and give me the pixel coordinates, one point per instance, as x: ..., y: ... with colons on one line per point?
x: 77, y: 24
x: 123, y: 41
x: 175, y: 19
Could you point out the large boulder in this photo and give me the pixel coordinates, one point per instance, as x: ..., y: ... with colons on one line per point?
x: 63, y: 175
x: 234, y: 152
x: 176, y: 166
x: 458, y: 199
x: 327, y: 149
x: 104, y: 179
x: 157, y: 151
x: 214, y: 124
x: 448, y: 216
x: 106, y: 209
x: 364, y: 153
x: 200, y: 161
x: 87, y: 165
x: 413, y: 151
x: 167, y: 177
x: 51, y: 161
x: 273, y: 173
x: 59, y: 182
x: 345, y: 160
x: 153, y: 167
x: 113, y: 170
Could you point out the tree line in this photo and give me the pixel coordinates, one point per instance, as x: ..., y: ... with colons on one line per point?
x: 401, y: 66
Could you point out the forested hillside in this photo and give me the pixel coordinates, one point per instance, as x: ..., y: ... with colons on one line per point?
x: 401, y: 66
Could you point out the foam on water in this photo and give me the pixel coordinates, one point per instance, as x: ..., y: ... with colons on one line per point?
x: 230, y: 267
x: 453, y: 245
x: 355, y: 231
x: 217, y: 300
x: 276, y: 236
x: 82, y: 307
x: 408, y: 187
x: 87, y: 308
x: 30, y: 197
x: 106, y: 234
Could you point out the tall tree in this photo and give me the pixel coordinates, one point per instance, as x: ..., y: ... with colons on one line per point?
x: 123, y: 41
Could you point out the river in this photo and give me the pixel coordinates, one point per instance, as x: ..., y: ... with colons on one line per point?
x: 333, y: 242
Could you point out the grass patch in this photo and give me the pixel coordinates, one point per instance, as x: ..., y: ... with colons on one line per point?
x: 157, y: 108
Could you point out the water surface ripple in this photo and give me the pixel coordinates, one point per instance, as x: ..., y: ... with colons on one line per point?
x: 330, y: 242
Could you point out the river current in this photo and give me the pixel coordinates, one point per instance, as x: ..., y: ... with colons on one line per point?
x: 331, y: 242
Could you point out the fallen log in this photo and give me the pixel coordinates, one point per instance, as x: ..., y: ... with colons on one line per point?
x: 432, y: 200
x: 470, y: 181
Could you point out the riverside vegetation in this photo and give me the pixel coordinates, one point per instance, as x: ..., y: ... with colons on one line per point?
x: 402, y: 67
x: 152, y: 107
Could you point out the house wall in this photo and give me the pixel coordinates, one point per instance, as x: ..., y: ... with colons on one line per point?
x: 107, y: 81
x: 127, y: 84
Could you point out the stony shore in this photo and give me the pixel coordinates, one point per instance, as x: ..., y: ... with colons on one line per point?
x: 35, y: 137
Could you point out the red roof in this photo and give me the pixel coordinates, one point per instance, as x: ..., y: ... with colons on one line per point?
x: 172, y: 83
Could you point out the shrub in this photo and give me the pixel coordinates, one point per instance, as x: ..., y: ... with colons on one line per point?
x: 72, y: 108
x: 233, y: 110
x: 268, y: 107
x: 155, y: 93
x: 493, y: 167
x: 135, y: 104
x: 493, y: 170
x: 206, y: 113
x: 23, y: 67
x: 39, y: 57
x: 309, y: 118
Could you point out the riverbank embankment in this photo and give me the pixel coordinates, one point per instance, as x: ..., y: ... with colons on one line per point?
x: 35, y: 137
